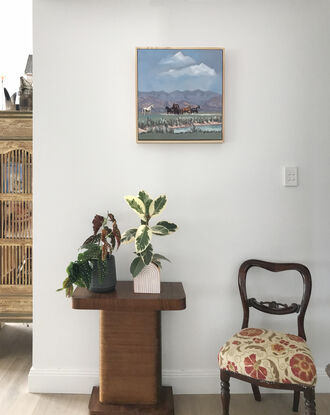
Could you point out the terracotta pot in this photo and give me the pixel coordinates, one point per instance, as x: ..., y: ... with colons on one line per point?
x: 148, y: 280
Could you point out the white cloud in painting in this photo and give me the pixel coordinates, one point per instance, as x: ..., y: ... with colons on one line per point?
x: 178, y: 60
x: 192, y: 70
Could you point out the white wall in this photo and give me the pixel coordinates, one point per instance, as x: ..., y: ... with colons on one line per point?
x: 227, y: 199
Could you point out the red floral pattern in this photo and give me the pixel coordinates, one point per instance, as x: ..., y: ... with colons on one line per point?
x: 253, y: 368
x: 258, y: 340
x: 231, y: 366
x: 278, y: 348
x: 302, y: 367
x: 269, y: 355
x: 295, y: 338
x: 251, y: 332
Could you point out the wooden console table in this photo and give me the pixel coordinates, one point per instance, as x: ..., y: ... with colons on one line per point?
x: 130, y: 348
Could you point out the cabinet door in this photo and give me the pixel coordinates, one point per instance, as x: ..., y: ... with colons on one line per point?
x: 15, y: 230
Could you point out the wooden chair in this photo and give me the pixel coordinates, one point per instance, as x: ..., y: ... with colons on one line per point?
x: 268, y: 358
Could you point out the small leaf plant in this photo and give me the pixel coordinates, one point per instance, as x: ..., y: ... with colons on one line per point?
x: 146, y: 208
x: 95, y: 250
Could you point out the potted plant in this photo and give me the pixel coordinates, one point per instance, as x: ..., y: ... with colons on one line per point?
x: 95, y: 266
x: 145, y: 268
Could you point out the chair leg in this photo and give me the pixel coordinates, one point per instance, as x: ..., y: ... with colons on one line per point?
x: 225, y: 392
x: 256, y: 392
x: 296, y: 397
x: 310, y: 408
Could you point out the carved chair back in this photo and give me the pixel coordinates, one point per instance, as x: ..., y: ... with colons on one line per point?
x: 272, y: 307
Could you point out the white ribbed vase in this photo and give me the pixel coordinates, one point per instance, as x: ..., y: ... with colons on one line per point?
x: 148, y: 280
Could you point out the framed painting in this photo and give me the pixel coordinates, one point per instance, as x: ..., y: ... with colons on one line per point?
x: 179, y: 95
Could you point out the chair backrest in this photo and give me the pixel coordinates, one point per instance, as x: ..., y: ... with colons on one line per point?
x: 272, y: 307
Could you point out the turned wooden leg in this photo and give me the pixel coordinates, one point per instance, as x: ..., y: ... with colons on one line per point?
x: 296, y: 396
x: 310, y: 408
x: 225, y: 393
x: 256, y: 392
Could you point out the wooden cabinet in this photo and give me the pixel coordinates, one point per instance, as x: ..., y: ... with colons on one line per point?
x: 15, y: 217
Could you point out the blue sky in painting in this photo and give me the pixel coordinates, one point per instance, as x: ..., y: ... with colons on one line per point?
x: 179, y: 69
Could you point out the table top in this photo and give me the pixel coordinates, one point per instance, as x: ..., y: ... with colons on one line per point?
x: 171, y: 297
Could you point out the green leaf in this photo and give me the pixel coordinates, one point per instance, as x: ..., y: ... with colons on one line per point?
x: 137, y: 205
x: 157, y: 205
x: 93, y: 239
x: 158, y: 263
x: 172, y: 227
x: 146, y: 201
x: 144, y: 196
x: 142, y: 238
x: 146, y: 255
x: 92, y: 252
x: 159, y: 230
x: 136, y: 266
x: 159, y: 257
x: 128, y: 236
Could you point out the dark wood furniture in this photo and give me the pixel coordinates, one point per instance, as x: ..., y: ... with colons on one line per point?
x: 271, y: 307
x: 130, y: 348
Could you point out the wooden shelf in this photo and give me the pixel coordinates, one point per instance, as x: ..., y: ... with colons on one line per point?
x: 16, y: 114
x: 16, y: 196
x: 14, y: 242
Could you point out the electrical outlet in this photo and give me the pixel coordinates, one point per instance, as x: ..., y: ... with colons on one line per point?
x: 290, y: 176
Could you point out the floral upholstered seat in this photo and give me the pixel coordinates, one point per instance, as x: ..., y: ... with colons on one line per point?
x: 269, y: 356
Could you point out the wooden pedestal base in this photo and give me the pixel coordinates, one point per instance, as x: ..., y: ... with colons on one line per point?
x: 164, y: 407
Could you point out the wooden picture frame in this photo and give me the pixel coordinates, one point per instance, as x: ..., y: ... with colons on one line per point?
x: 179, y: 95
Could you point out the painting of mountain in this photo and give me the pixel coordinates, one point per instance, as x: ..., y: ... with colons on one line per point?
x: 208, y: 101
x: 179, y: 95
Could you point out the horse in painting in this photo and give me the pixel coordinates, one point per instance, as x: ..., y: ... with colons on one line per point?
x: 169, y: 110
x: 195, y: 109
x: 186, y: 110
x: 146, y: 110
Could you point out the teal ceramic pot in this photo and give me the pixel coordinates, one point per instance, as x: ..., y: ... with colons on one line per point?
x: 108, y: 282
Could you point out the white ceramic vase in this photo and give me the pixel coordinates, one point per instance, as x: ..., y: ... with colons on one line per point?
x: 148, y: 280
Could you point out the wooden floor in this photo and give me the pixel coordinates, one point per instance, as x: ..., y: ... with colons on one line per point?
x: 15, y: 363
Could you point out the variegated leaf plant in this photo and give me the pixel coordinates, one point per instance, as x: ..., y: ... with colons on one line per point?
x: 146, y: 208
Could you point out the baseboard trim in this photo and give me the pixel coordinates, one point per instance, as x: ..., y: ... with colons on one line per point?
x: 62, y: 381
x: 183, y: 381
